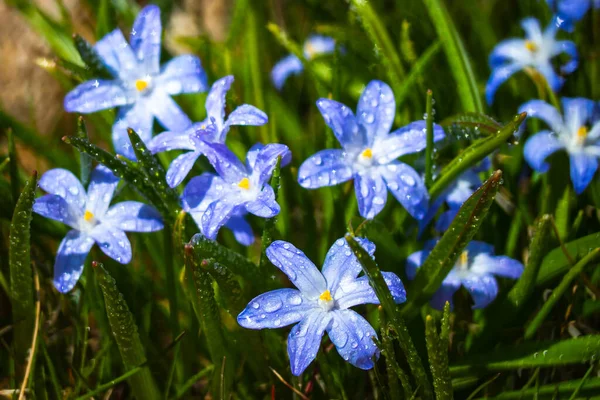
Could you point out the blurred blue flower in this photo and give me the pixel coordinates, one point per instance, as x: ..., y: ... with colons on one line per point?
x: 141, y: 88
x: 369, y: 152
x: 224, y: 199
x: 291, y: 65
x: 578, y: 133
x: 568, y: 12
x: 321, y: 304
x: 535, y: 51
x: 475, y: 270
x: 454, y: 196
x: 92, y: 220
x: 212, y: 130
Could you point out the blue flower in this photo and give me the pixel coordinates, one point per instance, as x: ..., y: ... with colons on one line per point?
x: 570, y: 11
x: 141, y: 88
x: 475, y: 270
x: 224, y: 199
x: 212, y: 130
x: 369, y: 153
x: 578, y: 133
x: 535, y: 51
x: 321, y: 304
x: 454, y: 196
x: 92, y: 220
x: 291, y: 65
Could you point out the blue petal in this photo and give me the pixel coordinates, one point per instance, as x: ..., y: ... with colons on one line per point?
x: 97, y: 95
x: 409, y: 139
x: 342, y: 122
x: 265, y: 205
x: 483, y: 289
x: 266, y: 160
x: 117, y: 55
x: 486, y: 264
x: 353, y: 337
x: 539, y: 147
x: 289, y: 65
x: 168, y: 113
x: 145, y: 38
x: 325, y: 168
x: 431, y: 212
x: 507, y: 51
x: 275, y: 309
x: 407, y: 187
x: 568, y: 47
x: 583, y: 168
x: 113, y: 242
x: 499, y: 75
x: 242, y: 231
x: 304, y: 340
x: 532, y: 28
x: 444, y: 294
x: 245, y: 115
x: 544, y: 111
x: 215, y: 101
x: 301, y: 271
x: 341, y: 264
x: 216, y: 215
x: 70, y: 258
x: 183, y: 74
x: 444, y: 221
x: 227, y: 165
x: 167, y: 141
x: 578, y: 112
x: 137, y: 117
x: 318, y: 44
x: 476, y: 247
x: 63, y: 183
x: 55, y: 207
x: 101, y: 190
x: 463, y: 188
x: 180, y: 167
x: 203, y: 190
x: 376, y: 110
x: 371, y: 194
x: 133, y: 216
x: 416, y: 259
x: 360, y: 291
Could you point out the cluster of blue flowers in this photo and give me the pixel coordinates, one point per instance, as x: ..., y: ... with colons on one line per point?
x: 369, y: 153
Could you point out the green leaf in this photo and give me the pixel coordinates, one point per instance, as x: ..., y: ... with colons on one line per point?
x: 21, y: 274
x: 444, y: 255
x: 394, y: 372
x: 417, y: 71
x: 437, y: 350
x: 269, y: 229
x: 207, y: 312
x: 90, y: 57
x: 236, y: 263
x: 471, y: 124
x: 392, y: 312
x: 457, y: 56
x: 85, y: 161
x: 589, y: 389
x: 230, y: 289
x: 531, y: 355
x: 473, y: 154
x: 559, y: 291
x: 429, y: 148
x: 125, y: 332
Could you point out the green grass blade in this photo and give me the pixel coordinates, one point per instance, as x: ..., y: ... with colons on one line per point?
x: 438, y: 360
x: 21, y: 274
x: 125, y: 332
x: 417, y: 71
x: 457, y: 56
x: 474, y: 124
x: 394, y: 373
x: 236, y: 263
x: 443, y: 257
x: 270, y: 229
x: 559, y: 291
x: 590, y: 388
x: 392, y: 312
x: 85, y: 161
x: 473, y: 154
x: 91, y: 58
x: 230, y: 289
x: 429, y: 148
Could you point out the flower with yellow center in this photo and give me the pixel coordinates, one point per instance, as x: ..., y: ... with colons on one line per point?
x: 463, y: 260
x: 582, y: 133
x: 532, y: 47
x: 141, y: 85
x: 244, y: 183
x: 325, y: 296
x: 367, y: 153
x: 88, y: 216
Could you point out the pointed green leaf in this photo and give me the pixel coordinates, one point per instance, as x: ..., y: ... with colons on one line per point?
x: 472, y: 124
x: 444, y: 255
x: 437, y: 350
x: 21, y: 275
x: 90, y: 57
x: 85, y: 161
x: 588, y: 389
x: 230, y: 289
x: 125, y: 332
x: 394, y: 372
x: 236, y: 263
x: 269, y: 229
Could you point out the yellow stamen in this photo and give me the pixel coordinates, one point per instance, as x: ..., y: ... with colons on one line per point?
x: 367, y: 153
x: 582, y: 133
x: 141, y: 85
x: 464, y: 259
x: 310, y: 50
x: 325, y: 296
x: 529, y: 45
x: 244, y: 183
x: 88, y: 216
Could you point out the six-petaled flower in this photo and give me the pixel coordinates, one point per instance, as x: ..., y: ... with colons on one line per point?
x: 141, y: 88
x: 369, y: 152
x: 536, y: 51
x: 92, y: 220
x: 321, y: 303
x: 223, y: 199
x: 578, y: 133
x: 212, y: 130
x: 475, y: 270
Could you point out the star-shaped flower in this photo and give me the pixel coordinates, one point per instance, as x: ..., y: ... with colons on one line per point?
x: 92, y: 220
x: 369, y: 152
x: 578, y: 133
x: 141, y: 88
x: 321, y: 303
